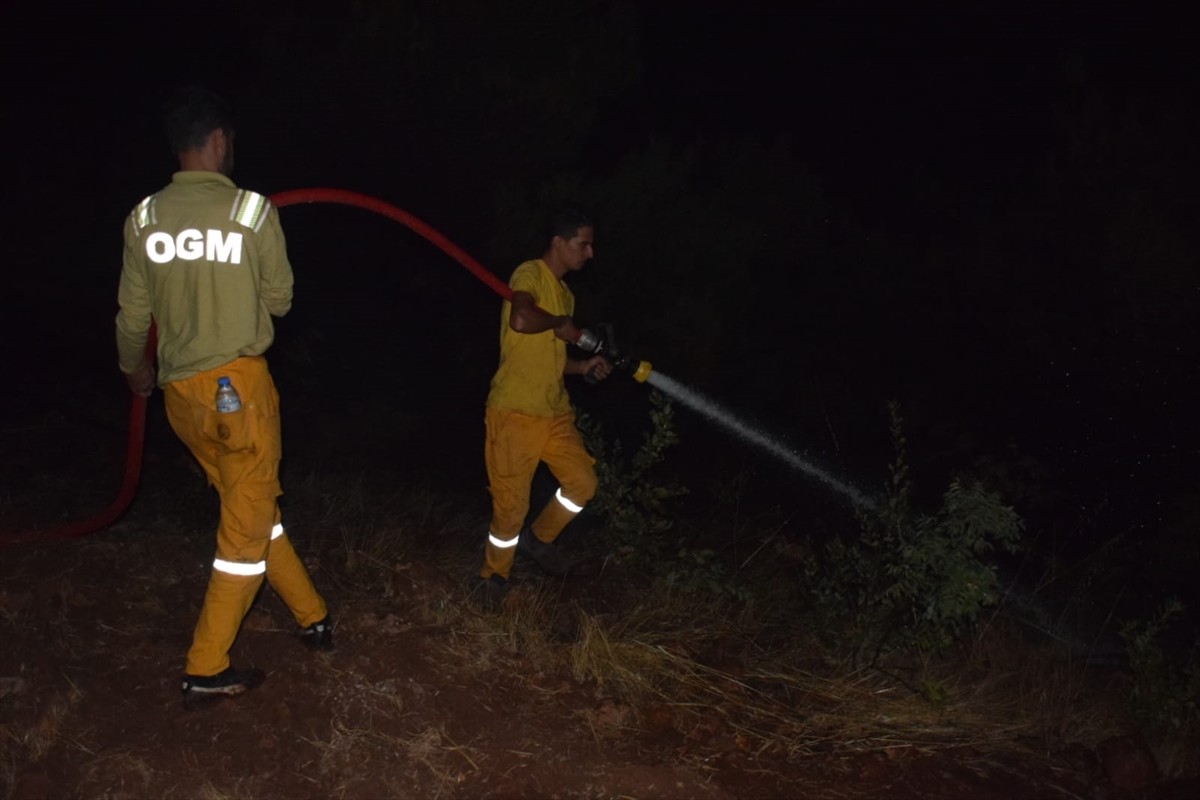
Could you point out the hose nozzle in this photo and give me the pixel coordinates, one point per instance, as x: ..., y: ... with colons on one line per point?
x: 602, y: 341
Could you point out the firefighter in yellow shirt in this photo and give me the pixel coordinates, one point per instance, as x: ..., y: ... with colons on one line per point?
x: 529, y: 416
x: 206, y: 262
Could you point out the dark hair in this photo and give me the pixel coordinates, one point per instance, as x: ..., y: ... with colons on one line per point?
x: 191, y: 114
x: 565, y: 221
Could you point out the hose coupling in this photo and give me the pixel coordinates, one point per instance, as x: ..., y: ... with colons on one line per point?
x: 588, y: 341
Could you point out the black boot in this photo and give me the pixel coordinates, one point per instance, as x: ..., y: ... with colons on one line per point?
x: 546, y: 555
x: 318, y: 636
x: 199, y: 690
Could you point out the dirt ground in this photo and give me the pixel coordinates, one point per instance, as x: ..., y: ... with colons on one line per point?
x: 425, y: 696
x: 404, y: 707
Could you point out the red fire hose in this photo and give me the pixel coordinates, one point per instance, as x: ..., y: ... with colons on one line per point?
x: 137, y: 408
x: 390, y: 211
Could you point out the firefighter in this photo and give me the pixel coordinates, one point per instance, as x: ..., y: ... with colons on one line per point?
x: 206, y: 262
x: 529, y: 418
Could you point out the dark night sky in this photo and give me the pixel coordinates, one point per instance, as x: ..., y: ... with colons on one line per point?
x: 959, y: 88
x: 916, y: 123
x: 870, y: 95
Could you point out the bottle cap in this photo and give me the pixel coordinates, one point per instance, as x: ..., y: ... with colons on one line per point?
x: 223, y: 381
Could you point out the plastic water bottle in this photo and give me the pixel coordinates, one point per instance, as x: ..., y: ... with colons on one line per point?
x: 228, y: 400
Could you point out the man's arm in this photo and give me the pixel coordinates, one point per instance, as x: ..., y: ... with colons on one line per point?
x: 134, y: 319
x: 276, y: 279
x: 527, y: 317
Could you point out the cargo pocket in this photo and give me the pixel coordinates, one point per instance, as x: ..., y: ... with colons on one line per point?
x: 248, y: 521
x: 232, y: 432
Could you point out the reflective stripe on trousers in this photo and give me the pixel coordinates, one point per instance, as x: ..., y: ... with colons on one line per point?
x: 516, y: 444
x: 503, y: 544
x: 241, y: 568
x: 567, y: 504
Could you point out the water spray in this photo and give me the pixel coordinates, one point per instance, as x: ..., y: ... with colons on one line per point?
x: 602, y: 341
x: 743, y: 430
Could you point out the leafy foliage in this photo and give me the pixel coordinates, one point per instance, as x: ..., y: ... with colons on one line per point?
x: 631, y: 502
x: 1165, y: 692
x: 912, y: 579
x: 702, y: 570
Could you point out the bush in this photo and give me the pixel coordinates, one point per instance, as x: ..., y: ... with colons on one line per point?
x: 912, y: 580
x: 629, y: 499
x: 1165, y: 689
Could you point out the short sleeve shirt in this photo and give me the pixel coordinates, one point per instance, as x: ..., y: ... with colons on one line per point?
x: 530, y: 376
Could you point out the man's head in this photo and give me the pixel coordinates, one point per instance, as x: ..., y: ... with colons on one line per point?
x: 570, y: 238
x: 200, y: 129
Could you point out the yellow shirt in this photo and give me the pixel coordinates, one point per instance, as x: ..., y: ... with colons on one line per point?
x: 530, y: 376
x: 207, y: 262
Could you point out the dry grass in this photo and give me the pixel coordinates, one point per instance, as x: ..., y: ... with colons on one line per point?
x: 766, y: 704
x: 28, y: 742
x: 239, y: 791
x: 602, y: 656
x: 1001, y: 694
x: 47, y: 731
x: 350, y: 753
x: 119, y: 775
x: 709, y: 667
x: 438, y: 753
x: 366, y: 526
x: 1177, y: 756
x: 373, y: 724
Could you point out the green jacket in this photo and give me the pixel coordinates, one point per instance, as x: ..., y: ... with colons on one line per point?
x: 207, y: 262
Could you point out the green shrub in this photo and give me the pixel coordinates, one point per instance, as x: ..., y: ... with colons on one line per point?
x: 908, y: 579
x: 1165, y: 691
x: 630, y: 500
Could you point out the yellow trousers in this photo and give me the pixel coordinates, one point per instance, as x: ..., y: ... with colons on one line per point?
x: 240, y: 453
x: 516, y: 443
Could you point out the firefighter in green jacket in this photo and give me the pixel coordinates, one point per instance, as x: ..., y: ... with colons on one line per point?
x: 206, y: 263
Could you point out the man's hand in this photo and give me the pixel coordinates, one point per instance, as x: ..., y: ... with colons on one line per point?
x: 597, y: 368
x: 141, y: 382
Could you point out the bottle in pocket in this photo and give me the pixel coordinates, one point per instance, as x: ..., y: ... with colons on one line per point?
x: 228, y: 400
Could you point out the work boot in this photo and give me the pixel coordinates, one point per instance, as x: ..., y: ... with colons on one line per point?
x: 318, y: 637
x: 201, y: 689
x: 490, y: 592
x: 546, y: 555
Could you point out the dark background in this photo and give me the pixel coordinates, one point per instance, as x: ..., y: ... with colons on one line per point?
x: 981, y: 211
